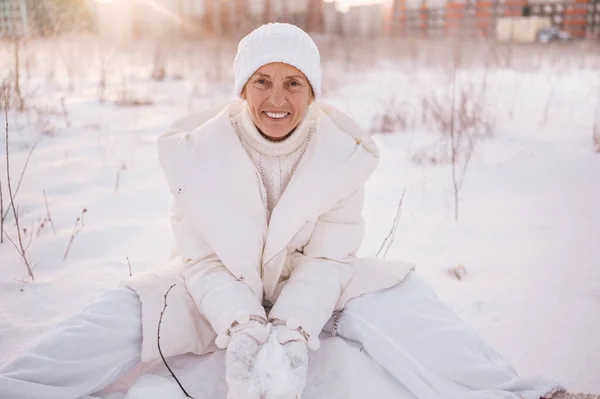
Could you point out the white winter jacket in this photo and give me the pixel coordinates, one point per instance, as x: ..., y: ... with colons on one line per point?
x: 303, y: 262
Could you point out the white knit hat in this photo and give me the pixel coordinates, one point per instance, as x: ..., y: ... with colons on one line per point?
x: 277, y: 42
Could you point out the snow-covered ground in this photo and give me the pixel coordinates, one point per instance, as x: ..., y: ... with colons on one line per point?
x: 528, y: 232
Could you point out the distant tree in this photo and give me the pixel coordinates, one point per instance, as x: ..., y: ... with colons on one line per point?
x: 52, y: 17
x: 315, y: 16
x: 209, y: 18
x: 268, y: 11
x: 225, y: 17
x: 241, y: 16
x: 285, y: 11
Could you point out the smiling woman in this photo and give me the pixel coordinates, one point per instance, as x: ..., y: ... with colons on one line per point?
x: 268, y: 194
x: 278, y: 96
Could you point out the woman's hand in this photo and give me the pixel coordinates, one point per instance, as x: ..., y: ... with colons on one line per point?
x: 245, y: 344
x: 282, y: 364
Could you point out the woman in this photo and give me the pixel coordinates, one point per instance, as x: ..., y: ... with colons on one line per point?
x: 268, y: 195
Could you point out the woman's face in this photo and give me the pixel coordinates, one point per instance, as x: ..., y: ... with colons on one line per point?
x: 278, y: 96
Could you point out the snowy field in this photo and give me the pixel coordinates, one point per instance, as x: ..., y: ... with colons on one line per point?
x: 526, y: 243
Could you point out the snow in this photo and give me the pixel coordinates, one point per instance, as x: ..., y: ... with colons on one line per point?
x: 350, y: 375
x: 272, y: 370
x: 528, y: 233
x: 152, y: 385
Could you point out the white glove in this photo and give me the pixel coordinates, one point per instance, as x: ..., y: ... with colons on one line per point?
x: 246, y: 341
x: 286, y: 356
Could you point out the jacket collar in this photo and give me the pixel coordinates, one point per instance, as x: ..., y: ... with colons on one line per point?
x: 334, y: 166
x: 338, y: 160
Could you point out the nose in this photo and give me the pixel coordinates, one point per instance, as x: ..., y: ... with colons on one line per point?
x: 278, y: 97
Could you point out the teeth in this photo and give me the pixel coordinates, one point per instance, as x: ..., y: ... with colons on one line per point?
x: 278, y: 115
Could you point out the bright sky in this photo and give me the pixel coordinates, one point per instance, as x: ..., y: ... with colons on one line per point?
x: 352, y: 2
x: 344, y: 4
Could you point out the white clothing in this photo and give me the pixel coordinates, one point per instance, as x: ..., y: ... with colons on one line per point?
x: 429, y: 349
x: 303, y: 261
x: 82, y: 355
x: 277, y: 42
x: 405, y: 329
x: 275, y: 161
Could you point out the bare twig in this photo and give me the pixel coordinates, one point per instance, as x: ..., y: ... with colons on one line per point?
x: 48, y: 216
x: 14, y: 245
x: 118, y: 178
x: 76, y: 230
x: 458, y: 271
x: 65, y: 112
x: 122, y: 168
x: 129, y: 263
x: 549, y: 100
x: 389, y: 240
x: 1, y: 213
x: 20, y: 177
x: 21, y: 103
x: 394, y: 118
x: 453, y: 147
x: 21, y: 249
x: 30, y: 232
x: 464, y: 122
x: 25, y: 167
x: 596, y: 128
x: 41, y: 225
x: 158, y: 343
x: 4, y: 96
x: 20, y: 280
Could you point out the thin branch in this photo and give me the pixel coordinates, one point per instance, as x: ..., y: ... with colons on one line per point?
x: 4, y: 96
x: 21, y: 103
x: 21, y: 248
x: 65, y: 112
x: 20, y: 254
x: 13, y: 243
x: 1, y: 213
x: 158, y: 343
x: 20, y: 177
x: 25, y: 167
x: 117, y: 181
x: 391, y: 235
x: 129, y: 263
x: 76, y: 230
x: 453, y: 143
x: 596, y: 127
x: 30, y: 236
x: 48, y: 216
x: 41, y: 225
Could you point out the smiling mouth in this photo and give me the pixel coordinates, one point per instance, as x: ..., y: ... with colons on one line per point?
x: 277, y: 116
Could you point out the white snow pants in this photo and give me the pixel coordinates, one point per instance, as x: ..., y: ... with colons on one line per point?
x: 82, y: 355
x: 405, y: 329
x: 429, y: 349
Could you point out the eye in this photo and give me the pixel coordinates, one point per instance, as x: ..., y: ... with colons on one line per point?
x: 295, y: 83
x: 262, y: 83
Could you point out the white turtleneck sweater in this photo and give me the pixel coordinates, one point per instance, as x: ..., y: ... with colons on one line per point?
x: 275, y: 161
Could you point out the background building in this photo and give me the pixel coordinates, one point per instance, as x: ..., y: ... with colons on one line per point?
x: 14, y: 20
